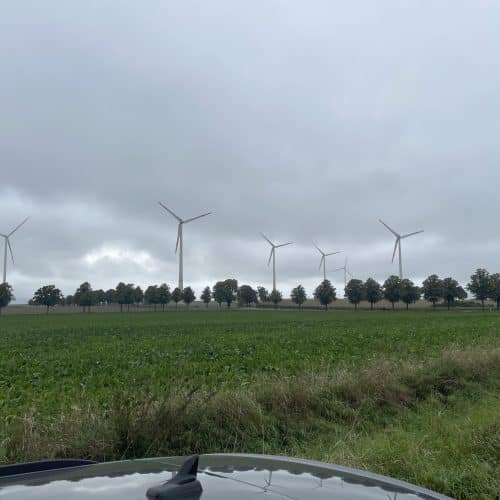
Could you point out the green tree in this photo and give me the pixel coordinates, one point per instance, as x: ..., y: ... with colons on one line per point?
x: 109, y: 296
x: 164, y: 295
x: 479, y: 285
x: 6, y: 295
x: 84, y: 296
x: 263, y: 294
x: 410, y: 293
x: 121, y: 294
x: 462, y: 294
x: 432, y: 288
x: 218, y: 292
x: 151, y: 296
x: 392, y: 289
x: 138, y: 295
x: 188, y: 295
x: 230, y: 291
x: 373, y: 292
x: 451, y: 291
x: 99, y: 297
x: 355, y: 292
x: 69, y: 300
x: 130, y: 295
x: 325, y: 293
x: 495, y: 289
x: 275, y: 297
x: 206, y: 295
x: 48, y: 296
x: 298, y: 295
x: 125, y: 295
x: 247, y: 295
x: 176, y: 296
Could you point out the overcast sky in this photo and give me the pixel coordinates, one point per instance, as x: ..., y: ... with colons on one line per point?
x: 304, y: 120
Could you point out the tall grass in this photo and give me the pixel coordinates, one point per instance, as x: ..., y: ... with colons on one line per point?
x: 273, y: 414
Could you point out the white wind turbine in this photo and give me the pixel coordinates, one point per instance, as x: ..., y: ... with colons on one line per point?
x: 397, y: 245
x: 272, y: 255
x: 346, y: 272
x: 178, y: 245
x: 6, y: 237
x: 322, y: 262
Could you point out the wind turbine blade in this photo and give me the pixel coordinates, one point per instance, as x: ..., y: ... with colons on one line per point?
x: 169, y: 211
x: 3, y: 235
x: 321, y: 262
x: 338, y: 269
x: 396, y: 243
x: 10, y: 249
x: 267, y: 239
x: 284, y: 244
x: 178, y: 238
x: 17, y: 227
x: 391, y: 230
x: 319, y: 249
x: 332, y: 253
x: 411, y: 234
x: 270, y: 256
x: 197, y: 217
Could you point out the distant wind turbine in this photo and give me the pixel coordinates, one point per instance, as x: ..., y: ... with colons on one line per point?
x: 6, y: 237
x: 397, y: 245
x: 272, y: 255
x: 178, y: 245
x: 346, y: 272
x: 322, y: 262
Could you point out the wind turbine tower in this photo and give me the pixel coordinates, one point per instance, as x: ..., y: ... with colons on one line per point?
x: 397, y: 245
x: 346, y: 272
x: 322, y: 262
x: 178, y: 245
x: 272, y: 256
x: 6, y: 238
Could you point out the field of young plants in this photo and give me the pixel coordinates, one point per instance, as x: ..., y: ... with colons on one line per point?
x: 410, y: 394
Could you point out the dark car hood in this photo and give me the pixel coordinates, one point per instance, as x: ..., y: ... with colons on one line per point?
x: 223, y: 477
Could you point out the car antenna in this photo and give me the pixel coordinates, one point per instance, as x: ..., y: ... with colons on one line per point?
x: 184, y: 484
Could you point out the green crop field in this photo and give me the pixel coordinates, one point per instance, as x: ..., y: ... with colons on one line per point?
x: 410, y: 394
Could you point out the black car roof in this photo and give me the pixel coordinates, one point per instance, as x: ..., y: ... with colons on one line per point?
x: 222, y: 476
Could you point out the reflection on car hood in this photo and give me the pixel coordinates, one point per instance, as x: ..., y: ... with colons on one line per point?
x: 225, y: 476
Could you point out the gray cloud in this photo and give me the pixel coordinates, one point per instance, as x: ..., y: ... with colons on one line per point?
x: 302, y: 121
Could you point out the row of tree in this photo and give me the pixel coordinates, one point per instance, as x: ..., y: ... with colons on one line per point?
x: 482, y: 285
x: 395, y: 289
x: 124, y: 295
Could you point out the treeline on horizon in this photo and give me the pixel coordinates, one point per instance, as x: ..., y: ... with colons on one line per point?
x: 482, y: 285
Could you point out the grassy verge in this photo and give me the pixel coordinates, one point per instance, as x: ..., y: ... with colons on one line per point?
x: 452, y: 448
x: 387, y: 416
